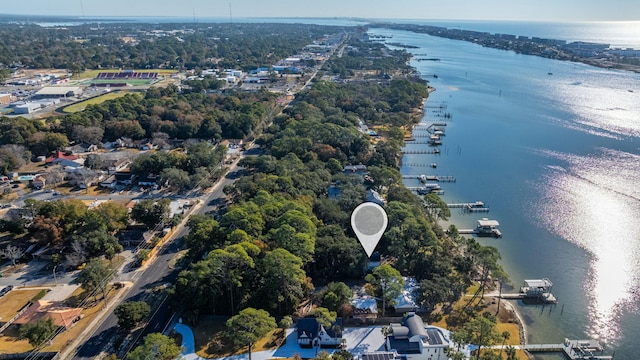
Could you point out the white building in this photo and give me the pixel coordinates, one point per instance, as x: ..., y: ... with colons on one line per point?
x: 58, y: 92
x: 412, y: 340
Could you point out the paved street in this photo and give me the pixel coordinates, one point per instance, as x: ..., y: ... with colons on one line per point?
x: 156, y: 273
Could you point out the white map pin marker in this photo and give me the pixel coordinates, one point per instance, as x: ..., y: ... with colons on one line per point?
x: 369, y: 221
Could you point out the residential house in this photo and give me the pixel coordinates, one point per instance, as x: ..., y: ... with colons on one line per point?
x: 147, y: 145
x: 149, y: 180
x: 354, y: 170
x: 53, y: 159
x: 375, y: 197
x: 39, y: 182
x: 84, y: 178
x: 114, y: 166
x: 124, y: 177
x: 109, y: 183
x: 62, y: 316
x: 70, y: 166
x: 365, y: 307
x: 406, y: 301
x: 312, y: 334
x: 82, y: 148
x: 412, y: 340
x: 133, y: 236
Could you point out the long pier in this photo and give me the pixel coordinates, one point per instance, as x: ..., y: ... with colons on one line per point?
x: 546, y: 298
x: 414, y: 152
x: 571, y: 349
x: 411, y: 142
x: 431, y: 178
x: 422, y: 134
x: 425, y: 125
x: 477, y: 206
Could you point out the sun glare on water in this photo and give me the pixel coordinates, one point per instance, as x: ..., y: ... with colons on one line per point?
x: 591, y: 203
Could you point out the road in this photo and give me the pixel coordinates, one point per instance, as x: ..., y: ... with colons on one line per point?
x: 156, y: 273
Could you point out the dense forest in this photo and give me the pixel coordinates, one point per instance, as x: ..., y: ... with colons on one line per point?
x: 170, y: 46
x: 283, y: 235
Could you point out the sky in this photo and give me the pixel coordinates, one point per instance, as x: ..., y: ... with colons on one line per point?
x: 526, y: 10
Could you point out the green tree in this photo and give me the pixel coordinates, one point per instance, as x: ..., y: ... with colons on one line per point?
x: 248, y: 326
x: 334, y: 295
x: 151, y: 212
x: 176, y: 179
x: 481, y: 332
x: 96, y: 276
x: 285, y: 322
x: 38, y: 332
x: 156, y: 346
x: 505, y: 335
x: 324, y: 317
x: 97, y: 243
x: 204, y: 235
x: 284, y: 281
x: 385, y: 282
x: 437, y: 207
x: 229, y: 267
x: 115, y: 215
x: 130, y: 313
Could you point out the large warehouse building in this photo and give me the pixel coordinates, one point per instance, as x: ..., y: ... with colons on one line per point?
x: 58, y: 92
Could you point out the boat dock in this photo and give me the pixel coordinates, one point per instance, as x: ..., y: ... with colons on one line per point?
x: 485, y: 227
x: 572, y: 349
x: 417, y: 152
x: 425, y: 178
x: 428, y: 188
x: 422, y: 134
x: 538, y: 290
x: 546, y: 298
x: 477, y: 206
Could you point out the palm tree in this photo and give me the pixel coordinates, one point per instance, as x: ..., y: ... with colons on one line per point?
x: 511, y: 353
x: 505, y: 336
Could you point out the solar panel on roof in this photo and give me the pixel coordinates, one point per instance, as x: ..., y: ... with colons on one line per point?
x: 434, y: 337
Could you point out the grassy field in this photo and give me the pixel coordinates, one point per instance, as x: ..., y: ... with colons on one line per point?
x: 211, y: 342
x: 11, y: 344
x: 15, y: 300
x: 92, y: 74
x: 131, y: 82
x: 77, y: 107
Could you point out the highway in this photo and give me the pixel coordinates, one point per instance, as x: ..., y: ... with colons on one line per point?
x: 157, y: 273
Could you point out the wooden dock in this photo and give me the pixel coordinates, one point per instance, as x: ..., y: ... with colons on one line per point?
x: 477, y: 206
x: 418, y: 152
x: 546, y: 298
x: 437, y: 178
x: 572, y: 349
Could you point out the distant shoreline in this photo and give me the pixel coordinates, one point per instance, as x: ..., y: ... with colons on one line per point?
x: 546, y: 48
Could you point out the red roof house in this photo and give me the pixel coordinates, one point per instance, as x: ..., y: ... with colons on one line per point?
x: 60, y: 155
x: 61, y: 315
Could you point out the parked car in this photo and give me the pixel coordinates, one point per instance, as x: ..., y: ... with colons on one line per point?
x: 5, y: 290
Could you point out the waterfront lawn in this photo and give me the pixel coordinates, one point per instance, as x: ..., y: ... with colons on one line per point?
x: 506, y: 319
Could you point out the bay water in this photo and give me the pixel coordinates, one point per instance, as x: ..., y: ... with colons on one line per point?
x: 553, y: 148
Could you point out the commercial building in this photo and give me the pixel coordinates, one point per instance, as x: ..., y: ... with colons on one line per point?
x: 58, y: 92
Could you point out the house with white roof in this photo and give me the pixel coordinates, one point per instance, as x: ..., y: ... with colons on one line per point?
x: 406, y: 301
